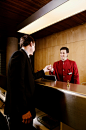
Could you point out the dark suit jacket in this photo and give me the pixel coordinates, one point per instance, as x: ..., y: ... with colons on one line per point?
x: 20, y: 85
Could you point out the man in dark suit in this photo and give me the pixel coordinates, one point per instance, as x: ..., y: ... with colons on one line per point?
x: 20, y: 100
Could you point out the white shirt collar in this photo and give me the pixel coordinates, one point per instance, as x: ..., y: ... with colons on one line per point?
x: 26, y: 52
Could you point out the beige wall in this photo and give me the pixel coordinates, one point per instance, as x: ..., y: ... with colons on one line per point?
x: 48, y: 49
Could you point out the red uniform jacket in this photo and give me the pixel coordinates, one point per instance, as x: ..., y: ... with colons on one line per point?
x: 66, y: 70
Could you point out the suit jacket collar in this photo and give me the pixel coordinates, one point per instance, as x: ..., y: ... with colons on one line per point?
x: 25, y: 52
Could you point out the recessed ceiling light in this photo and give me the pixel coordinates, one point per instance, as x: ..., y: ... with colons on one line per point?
x: 63, y: 10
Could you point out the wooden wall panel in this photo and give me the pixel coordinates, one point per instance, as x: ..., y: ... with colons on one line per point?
x: 44, y: 57
x: 70, y: 46
x: 36, y: 64
x: 54, y: 39
x: 48, y: 42
x: 78, y: 56
x: 76, y: 34
x: 40, y: 59
x: 35, y: 61
x: 42, y: 43
x: 48, y: 56
x: 55, y: 56
x: 36, y: 46
x: 62, y: 38
x: 48, y: 49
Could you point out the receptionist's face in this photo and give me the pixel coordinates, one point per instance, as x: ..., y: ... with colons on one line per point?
x: 63, y: 55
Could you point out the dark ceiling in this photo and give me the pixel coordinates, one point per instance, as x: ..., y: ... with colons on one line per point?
x: 13, y: 12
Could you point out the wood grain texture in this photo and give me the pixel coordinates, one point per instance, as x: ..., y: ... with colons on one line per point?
x: 74, y: 39
x: 12, y: 13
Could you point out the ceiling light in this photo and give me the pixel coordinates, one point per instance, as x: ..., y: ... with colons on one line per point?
x: 62, y: 11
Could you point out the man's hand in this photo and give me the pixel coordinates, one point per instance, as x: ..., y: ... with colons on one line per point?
x: 27, y: 118
x: 48, y: 68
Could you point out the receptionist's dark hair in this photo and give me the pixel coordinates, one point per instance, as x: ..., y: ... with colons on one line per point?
x: 65, y: 48
x: 26, y: 40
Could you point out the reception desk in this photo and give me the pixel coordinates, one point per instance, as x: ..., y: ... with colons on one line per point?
x: 67, y: 104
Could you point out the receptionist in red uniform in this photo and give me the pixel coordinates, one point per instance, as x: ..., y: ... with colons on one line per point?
x: 65, y: 69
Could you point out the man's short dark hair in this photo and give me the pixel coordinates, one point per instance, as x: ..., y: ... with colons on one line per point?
x: 65, y: 48
x: 26, y: 40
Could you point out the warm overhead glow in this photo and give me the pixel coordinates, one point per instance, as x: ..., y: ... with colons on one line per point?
x: 62, y: 12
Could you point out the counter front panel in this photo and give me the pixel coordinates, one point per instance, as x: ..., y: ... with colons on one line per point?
x: 67, y: 104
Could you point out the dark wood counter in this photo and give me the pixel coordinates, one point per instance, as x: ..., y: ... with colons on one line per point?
x: 67, y: 104
x: 62, y: 86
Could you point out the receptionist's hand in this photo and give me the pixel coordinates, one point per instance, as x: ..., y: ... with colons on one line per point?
x: 27, y: 118
x: 48, y: 68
